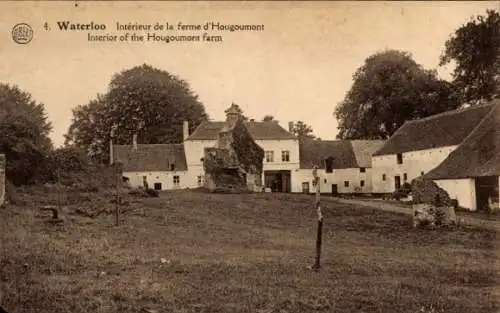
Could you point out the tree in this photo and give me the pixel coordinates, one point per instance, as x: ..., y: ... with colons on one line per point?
x: 268, y: 118
x: 475, y: 50
x: 143, y: 100
x: 302, y: 130
x: 25, y: 134
x: 389, y: 89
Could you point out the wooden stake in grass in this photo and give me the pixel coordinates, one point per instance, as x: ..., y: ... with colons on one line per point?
x: 118, y: 173
x: 319, y: 233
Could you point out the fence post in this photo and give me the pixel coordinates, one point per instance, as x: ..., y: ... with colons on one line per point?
x: 118, y: 174
x: 319, y: 233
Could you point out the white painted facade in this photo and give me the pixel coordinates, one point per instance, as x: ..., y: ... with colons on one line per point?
x: 348, y: 180
x: 279, y: 149
x: 463, y: 190
x: 168, y: 179
x: 414, y: 163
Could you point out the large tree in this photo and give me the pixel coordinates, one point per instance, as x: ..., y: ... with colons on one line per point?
x: 474, y: 48
x: 146, y: 101
x: 302, y: 130
x: 389, y: 89
x: 25, y: 134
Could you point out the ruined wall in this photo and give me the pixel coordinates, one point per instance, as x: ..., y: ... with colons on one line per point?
x: 426, y: 191
x: 236, y: 162
x: 2, y: 179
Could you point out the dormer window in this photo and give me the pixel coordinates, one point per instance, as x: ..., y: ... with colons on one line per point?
x: 172, y: 167
x: 400, y: 158
x: 329, y: 165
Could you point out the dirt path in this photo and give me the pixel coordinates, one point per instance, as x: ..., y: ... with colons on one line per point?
x: 390, y: 207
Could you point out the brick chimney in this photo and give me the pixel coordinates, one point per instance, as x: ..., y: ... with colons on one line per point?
x: 290, y: 126
x: 185, y: 130
x: 134, y: 141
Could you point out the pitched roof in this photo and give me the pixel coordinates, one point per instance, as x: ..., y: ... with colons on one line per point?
x: 345, y: 153
x: 151, y: 157
x: 478, y: 155
x: 270, y: 130
x: 364, y: 150
x: 440, y: 130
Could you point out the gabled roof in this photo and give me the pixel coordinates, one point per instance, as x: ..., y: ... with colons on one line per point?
x: 270, y: 130
x: 364, y: 150
x: 478, y: 155
x: 440, y: 130
x: 150, y: 157
x: 345, y: 153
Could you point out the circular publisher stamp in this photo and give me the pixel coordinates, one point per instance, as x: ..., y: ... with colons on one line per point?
x: 22, y: 33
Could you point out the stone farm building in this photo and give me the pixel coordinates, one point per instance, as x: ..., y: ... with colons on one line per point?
x: 418, y: 146
x: 287, y: 165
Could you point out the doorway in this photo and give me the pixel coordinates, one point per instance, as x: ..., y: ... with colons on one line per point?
x: 397, y: 182
x: 157, y: 186
x: 278, y: 181
x: 305, y: 187
x: 486, y: 188
x: 335, y: 190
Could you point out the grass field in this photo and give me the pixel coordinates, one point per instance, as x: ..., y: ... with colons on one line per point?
x: 242, y: 253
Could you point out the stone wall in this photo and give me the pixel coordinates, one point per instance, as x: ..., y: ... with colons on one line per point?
x: 2, y: 179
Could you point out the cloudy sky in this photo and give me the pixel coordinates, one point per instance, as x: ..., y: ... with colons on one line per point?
x: 298, y: 68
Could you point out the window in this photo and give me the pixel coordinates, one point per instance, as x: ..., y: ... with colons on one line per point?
x: 325, y: 180
x: 362, y: 169
x: 285, y: 156
x: 177, y: 180
x: 200, y: 180
x: 269, y: 156
x: 400, y: 158
x: 405, y: 177
x: 383, y: 177
x: 362, y: 183
x: 422, y: 173
x: 346, y: 183
x: 157, y: 186
x: 172, y: 167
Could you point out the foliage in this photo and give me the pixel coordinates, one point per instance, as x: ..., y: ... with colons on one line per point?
x: 474, y: 49
x: 389, y: 89
x: 25, y: 134
x: 250, y: 154
x: 63, y: 160
x: 402, y: 192
x: 302, y: 130
x: 144, y: 100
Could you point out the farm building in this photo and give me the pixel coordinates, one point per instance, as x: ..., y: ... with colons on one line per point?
x: 470, y: 174
x: 418, y: 146
x: 344, y: 165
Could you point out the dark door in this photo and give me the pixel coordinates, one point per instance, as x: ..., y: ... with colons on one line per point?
x: 157, y: 186
x: 305, y: 187
x: 486, y: 188
x: 286, y: 181
x: 397, y: 182
x: 335, y: 190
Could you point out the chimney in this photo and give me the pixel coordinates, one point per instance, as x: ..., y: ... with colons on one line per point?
x: 185, y: 130
x: 290, y: 126
x: 134, y: 141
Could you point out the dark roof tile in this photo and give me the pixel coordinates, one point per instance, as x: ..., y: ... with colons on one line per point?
x: 151, y: 157
x: 208, y: 130
x: 440, y: 130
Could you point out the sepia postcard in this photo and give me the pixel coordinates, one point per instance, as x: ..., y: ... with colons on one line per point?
x: 249, y: 156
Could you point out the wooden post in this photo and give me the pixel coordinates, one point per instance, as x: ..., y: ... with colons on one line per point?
x: 59, y: 200
x: 319, y: 233
x: 118, y: 173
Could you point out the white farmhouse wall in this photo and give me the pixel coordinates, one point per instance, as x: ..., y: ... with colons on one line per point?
x: 165, y: 178
x: 339, y: 176
x: 463, y: 190
x: 277, y: 146
x: 414, y: 164
x: 195, y: 151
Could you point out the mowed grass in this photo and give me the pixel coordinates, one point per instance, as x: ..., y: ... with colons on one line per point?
x: 242, y: 253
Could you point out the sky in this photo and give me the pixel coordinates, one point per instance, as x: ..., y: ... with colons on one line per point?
x: 299, y: 67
